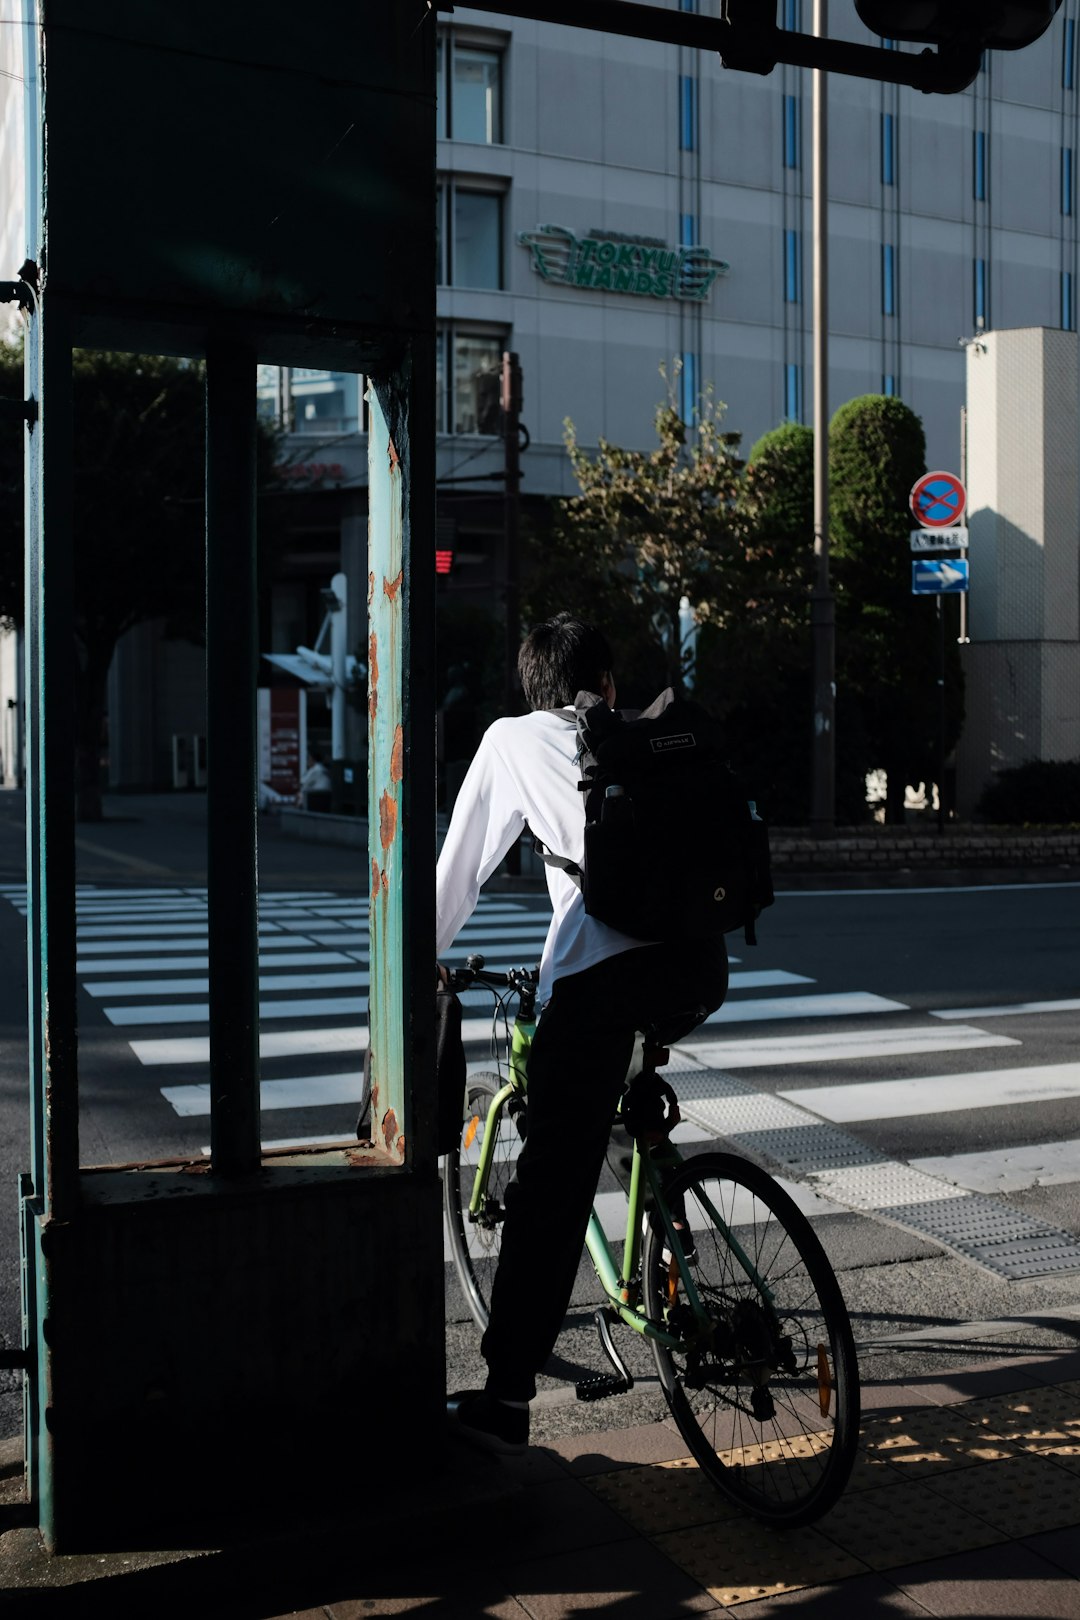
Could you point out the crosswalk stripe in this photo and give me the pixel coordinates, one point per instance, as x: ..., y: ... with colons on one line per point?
x: 267, y: 981
x: 1017, y: 1008
x: 782, y: 1051
x: 940, y: 1093
x: 300, y: 1091
x: 195, y: 964
x: 1008, y: 1169
x: 818, y: 1006
x: 199, y: 1012
x: 284, y: 1043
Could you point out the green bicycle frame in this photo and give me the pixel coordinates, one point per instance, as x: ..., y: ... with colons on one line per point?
x: 618, y: 1288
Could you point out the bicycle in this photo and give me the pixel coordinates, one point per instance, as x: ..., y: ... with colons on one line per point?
x: 719, y: 1270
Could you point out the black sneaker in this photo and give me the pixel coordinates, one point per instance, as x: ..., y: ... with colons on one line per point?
x: 483, y: 1421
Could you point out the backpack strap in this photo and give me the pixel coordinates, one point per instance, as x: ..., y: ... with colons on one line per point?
x: 549, y: 858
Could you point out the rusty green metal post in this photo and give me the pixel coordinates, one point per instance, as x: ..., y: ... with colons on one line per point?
x: 232, y: 654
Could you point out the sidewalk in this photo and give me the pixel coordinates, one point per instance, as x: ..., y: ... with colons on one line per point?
x: 965, y: 1502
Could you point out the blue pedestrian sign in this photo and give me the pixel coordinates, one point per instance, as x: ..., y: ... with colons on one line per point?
x: 931, y: 577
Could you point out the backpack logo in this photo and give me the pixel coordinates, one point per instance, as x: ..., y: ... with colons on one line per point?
x: 719, y: 894
x: 666, y: 745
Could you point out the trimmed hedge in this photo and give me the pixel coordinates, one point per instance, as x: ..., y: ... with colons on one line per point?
x: 1041, y: 792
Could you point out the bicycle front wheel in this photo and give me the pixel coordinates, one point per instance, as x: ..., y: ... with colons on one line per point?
x: 475, y: 1241
x: 765, y: 1387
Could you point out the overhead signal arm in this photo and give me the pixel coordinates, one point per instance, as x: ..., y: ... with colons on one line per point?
x: 746, y: 37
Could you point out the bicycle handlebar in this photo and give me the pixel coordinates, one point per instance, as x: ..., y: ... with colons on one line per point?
x: 474, y: 972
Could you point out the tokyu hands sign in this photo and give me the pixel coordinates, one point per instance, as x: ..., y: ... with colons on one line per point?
x: 606, y: 261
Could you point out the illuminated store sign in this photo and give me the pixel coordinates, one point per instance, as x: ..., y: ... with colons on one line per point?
x: 606, y: 261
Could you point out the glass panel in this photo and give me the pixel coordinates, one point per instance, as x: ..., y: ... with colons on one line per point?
x: 688, y: 388
x: 792, y: 268
x: 440, y: 88
x: 791, y: 132
x: 477, y: 239
x: 440, y: 382
x: 477, y: 359
x: 477, y: 113
x: 688, y: 230
x: 687, y: 115
x: 325, y: 401
x: 441, y: 277
x: 888, y: 159
x: 1066, y: 180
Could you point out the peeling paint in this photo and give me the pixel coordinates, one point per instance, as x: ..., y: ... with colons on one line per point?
x: 397, y: 756
x: 371, y: 588
x: 374, y: 879
x: 395, y: 459
x: 391, y: 587
x: 391, y: 1135
x: 373, y: 675
x: 388, y: 816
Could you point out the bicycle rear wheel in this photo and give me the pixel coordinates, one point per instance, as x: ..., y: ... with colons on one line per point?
x: 767, y: 1397
x: 475, y: 1243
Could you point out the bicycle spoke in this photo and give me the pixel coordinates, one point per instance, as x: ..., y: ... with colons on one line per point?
x: 747, y: 1388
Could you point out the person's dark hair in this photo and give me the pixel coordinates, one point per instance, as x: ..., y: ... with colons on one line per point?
x: 560, y: 658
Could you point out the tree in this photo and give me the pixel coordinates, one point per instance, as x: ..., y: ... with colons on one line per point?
x: 647, y: 529
x: 888, y: 641
x: 139, y: 534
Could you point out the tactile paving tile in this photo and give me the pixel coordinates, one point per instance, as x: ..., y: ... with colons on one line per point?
x: 974, y: 1219
x: 904, y: 1524
x: 1019, y: 1497
x: 840, y: 1167
x: 886, y: 1186
x: 663, y: 1496
x: 735, y: 1115
x: 808, y: 1149
x: 742, y: 1560
x: 1043, y: 1420
x: 920, y: 1445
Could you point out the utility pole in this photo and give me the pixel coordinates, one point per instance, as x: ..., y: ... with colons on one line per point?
x: 510, y: 399
x: 822, y: 603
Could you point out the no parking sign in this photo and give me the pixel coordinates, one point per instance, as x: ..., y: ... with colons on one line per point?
x: 937, y: 501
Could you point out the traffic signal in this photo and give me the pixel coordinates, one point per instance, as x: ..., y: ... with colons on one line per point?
x: 991, y: 25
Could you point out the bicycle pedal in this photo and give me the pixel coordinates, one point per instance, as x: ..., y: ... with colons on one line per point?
x: 602, y: 1385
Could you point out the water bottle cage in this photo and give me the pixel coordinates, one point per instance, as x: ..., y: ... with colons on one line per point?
x: 650, y: 1109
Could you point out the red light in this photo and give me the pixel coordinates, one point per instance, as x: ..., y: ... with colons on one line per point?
x: 444, y: 561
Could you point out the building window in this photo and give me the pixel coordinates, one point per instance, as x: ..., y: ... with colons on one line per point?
x: 792, y: 144
x: 793, y: 392
x: 1066, y: 180
x: 1068, y: 58
x: 469, y: 89
x: 793, y: 15
x: 888, y: 385
x: 687, y: 114
x: 979, y: 165
x: 467, y: 368
x: 1067, y: 318
x: 688, y: 388
x: 469, y: 235
x: 687, y: 5
x: 303, y: 400
x: 688, y: 231
x: 792, y: 267
x: 980, y: 293
x: 888, y: 149
x: 888, y: 279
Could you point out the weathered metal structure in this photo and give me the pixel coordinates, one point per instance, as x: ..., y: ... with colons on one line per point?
x: 194, y: 1331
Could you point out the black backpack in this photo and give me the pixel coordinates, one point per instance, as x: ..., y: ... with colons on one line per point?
x: 673, y: 848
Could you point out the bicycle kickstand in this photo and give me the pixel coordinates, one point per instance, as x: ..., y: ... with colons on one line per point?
x: 598, y: 1386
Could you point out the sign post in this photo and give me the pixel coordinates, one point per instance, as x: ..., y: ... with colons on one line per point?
x: 937, y: 503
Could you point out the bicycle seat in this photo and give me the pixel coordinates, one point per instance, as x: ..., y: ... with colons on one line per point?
x: 673, y: 1028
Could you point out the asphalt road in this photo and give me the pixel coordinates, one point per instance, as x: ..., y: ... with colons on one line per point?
x: 937, y: 1028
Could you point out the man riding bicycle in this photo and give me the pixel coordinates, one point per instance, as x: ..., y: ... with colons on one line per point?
x: 597, y: 988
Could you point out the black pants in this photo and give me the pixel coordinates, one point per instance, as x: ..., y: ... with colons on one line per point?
x: 577, y: 1065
